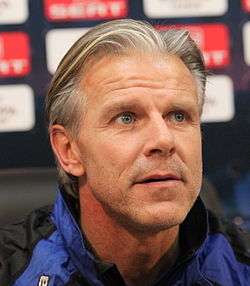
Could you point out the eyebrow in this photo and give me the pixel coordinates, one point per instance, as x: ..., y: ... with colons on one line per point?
x: 116, y: 107
x: 185, y: 104
x: 119, y: 106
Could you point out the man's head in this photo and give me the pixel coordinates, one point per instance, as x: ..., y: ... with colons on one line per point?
x: 124, y: 113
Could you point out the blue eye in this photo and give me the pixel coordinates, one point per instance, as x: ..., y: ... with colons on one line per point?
x: 126, y: 118
x: 179, y: 116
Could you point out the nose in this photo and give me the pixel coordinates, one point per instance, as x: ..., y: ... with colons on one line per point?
x: 160, y: 138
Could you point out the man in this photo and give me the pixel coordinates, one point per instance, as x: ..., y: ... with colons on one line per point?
x: 124, y: 112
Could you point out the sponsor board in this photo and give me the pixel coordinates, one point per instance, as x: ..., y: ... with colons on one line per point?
x: 13, y: 11
x: 246, y: 42
x: 16, y: 108
x: 14, y: 62
x: 246, y: 5
x: 58, y: 41
x: 67, y: 10
x: 219, y: 101
x: 213, y: 40
x: 184, y: 8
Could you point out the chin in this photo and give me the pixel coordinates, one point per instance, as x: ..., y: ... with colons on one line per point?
x: 152, y: 228
x: 157, y: 219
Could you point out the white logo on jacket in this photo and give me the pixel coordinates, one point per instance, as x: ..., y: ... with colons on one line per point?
x: 43, y: 281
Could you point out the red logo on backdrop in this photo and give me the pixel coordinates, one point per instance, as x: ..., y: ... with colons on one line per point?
x: 246, y: 5
x: 213, y: 40
x: 14, y: 54
x: 66, y: 10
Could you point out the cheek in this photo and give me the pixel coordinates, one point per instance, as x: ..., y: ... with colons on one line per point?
x: 190, y: 151
x: 191, y: 145
x: 108, y: 156
x: 107, y: 163
x: 118, y: 151
x: 196, y: 151
x: 195, y: 162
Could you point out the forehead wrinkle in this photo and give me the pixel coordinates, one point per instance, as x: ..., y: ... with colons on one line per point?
x: 109, y: 81
x: 131, y: 100
x: 112, y: 84
x: 164, y: 89
x: 114, y: 98
x: 126, y: 84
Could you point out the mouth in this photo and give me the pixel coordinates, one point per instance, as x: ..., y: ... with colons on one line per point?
x: 159, y: 179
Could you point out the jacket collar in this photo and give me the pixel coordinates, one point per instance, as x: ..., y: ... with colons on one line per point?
x: 66, y: 223
x: 194, y: 229
x: 193, y: 232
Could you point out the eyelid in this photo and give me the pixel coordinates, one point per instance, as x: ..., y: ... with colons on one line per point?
x: 124, y: 113
x: 174, y: 111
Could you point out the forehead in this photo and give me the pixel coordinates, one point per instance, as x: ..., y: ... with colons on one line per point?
x: 125, y: 75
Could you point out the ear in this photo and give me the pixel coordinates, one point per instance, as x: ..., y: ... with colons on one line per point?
x: 66, y: 150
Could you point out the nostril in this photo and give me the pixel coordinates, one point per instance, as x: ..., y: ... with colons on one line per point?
x: 161, y: 151
x: 155, y: 151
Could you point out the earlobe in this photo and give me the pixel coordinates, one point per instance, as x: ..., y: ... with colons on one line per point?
x: 66, y: 151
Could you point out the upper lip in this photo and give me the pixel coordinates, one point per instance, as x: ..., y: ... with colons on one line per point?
x: 159, y: 177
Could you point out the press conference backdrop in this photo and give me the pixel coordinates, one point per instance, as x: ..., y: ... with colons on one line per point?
x: 35, y: 34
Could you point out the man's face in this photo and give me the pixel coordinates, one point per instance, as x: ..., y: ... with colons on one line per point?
x: 140, y: 141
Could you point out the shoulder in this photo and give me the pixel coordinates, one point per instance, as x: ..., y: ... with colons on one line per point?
x: 238, y: 239
x: 18, y: 240
x: 225, y: 255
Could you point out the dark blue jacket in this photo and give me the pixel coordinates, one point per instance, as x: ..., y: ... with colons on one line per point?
x: 49, y: 249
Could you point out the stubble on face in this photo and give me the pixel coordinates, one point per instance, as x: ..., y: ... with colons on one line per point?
x: 114, y: 157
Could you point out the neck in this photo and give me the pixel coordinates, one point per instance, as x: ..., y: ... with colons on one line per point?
x: 138, y: 256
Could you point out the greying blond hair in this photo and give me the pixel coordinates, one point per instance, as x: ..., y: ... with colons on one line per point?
x: 66, y: 102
